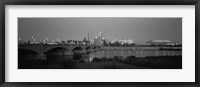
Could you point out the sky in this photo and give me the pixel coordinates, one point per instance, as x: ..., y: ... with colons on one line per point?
x: 137, y: 29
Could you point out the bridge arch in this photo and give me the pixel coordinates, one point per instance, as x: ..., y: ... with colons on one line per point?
x: 77, y: 49
x: 94, y: 47
x: 88, y: 48
x: 56, y: 51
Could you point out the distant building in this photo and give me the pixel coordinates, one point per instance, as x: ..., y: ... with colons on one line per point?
x: 114, y: 41
x: 126, y: 41
x: 99, y: 40
x: 85, y: 41
x: 52, y: 43
x: 159, y: 42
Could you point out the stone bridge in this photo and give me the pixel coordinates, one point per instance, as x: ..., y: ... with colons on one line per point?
x: 42, y: 49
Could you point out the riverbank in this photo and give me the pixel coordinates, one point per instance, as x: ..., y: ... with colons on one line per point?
x: 131, y: 62
x: 158, y: 62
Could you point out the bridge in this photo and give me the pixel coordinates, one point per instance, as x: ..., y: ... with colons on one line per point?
x: 45, y: 49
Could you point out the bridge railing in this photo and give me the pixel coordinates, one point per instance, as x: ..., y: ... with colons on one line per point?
x: 27, y: 45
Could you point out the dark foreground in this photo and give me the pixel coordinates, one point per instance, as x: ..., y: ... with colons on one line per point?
x: 131, y: 62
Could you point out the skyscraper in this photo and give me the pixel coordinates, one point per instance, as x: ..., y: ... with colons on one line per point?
x: 88, y: 37
x: 100, y: 34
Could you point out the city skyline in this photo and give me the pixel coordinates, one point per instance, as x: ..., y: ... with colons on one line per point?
x: 136, y: 29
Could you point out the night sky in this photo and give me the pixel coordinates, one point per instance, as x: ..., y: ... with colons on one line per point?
x: 137, y: 29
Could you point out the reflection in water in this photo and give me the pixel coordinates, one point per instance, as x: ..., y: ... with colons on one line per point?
x: 120, y: 53
x: 139, y: 53
x: 89, y: 56
x: 111, y: 54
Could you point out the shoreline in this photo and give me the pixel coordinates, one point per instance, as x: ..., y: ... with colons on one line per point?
x: 141, y: 48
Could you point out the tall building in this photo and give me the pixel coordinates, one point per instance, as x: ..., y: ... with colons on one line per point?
x: 96, y: 40
x: 99, y: 40
x: 88, y: 37
x: 100, y: 34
